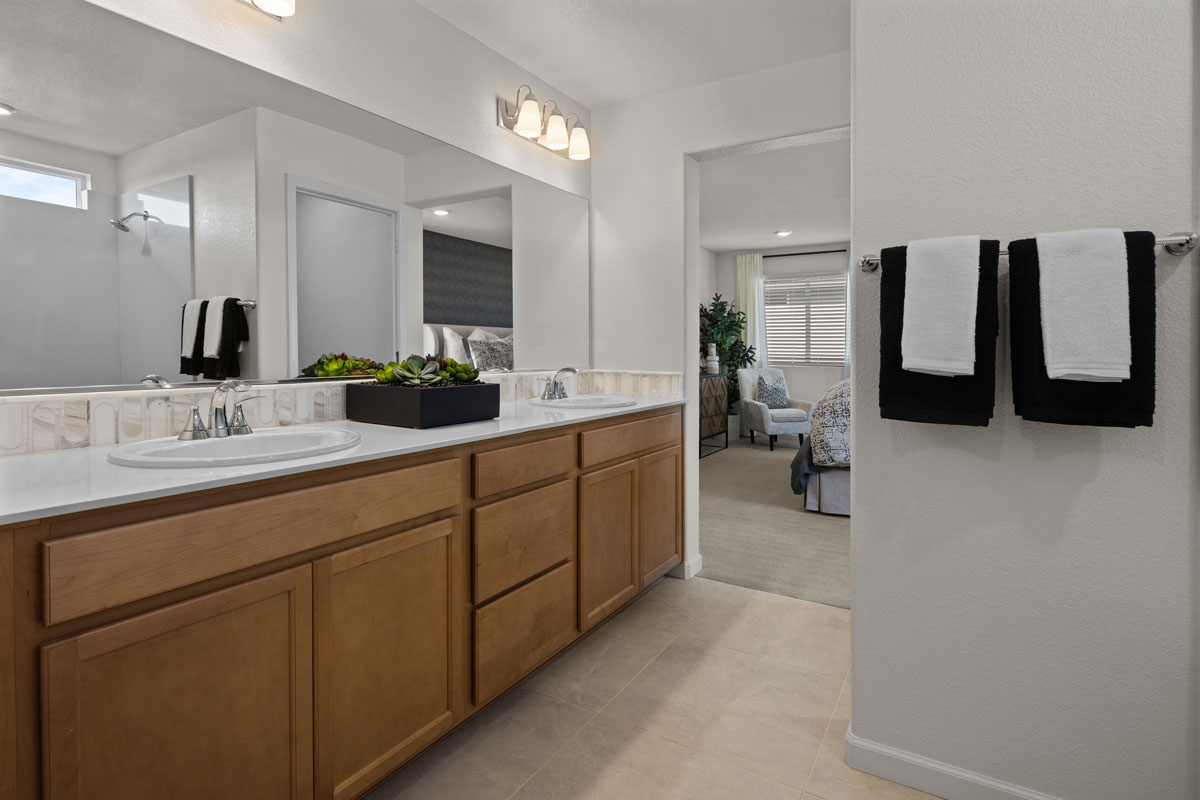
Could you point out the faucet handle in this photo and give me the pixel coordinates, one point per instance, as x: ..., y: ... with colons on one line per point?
x: 194, y: 428
x: 239, y: 426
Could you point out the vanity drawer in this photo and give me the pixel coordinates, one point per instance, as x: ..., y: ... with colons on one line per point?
x: 94, y: 571
x: 511, y: 467
x: 516, y: 633
x: 517, y: 538
x: 616, y: 441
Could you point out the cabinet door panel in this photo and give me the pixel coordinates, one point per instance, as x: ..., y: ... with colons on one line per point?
x: 207, y: 698
x: 660, y: 518
x: 608, y: 541
x: 387, y: 617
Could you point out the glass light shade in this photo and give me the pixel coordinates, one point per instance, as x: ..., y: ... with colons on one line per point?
x: 580, y: 149
x: 279, y: 8
x: 529, y: 119
x: 556, y: 132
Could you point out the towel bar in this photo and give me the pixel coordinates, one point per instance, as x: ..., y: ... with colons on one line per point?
x: 1177, y: 244
x: 250, y: 304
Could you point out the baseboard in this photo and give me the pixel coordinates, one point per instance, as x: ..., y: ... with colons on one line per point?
x: 689, y: 568
x: 928, y: 775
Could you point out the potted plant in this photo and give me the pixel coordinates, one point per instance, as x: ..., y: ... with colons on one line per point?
x: 421, y: 393
x: 723, y: 325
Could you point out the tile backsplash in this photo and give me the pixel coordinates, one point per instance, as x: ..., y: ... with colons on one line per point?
x: 43, y: 423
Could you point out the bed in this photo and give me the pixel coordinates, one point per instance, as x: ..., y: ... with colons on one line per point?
x: 821, y: 469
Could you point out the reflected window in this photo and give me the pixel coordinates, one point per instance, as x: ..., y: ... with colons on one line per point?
x: 42, y: 184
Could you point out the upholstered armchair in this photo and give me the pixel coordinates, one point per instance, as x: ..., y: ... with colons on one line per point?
x: 795, y: 419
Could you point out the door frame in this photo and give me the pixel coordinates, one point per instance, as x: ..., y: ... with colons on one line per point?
x: 298, y: 185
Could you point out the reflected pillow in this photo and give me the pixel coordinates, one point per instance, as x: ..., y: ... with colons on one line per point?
x: 489, y: 354
x: 480, y: 335
x: 453, y: 346
x: 429, y: 341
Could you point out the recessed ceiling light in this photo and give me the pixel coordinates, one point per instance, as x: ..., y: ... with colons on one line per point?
x: 6, y: 110
x: 781, y: 234
x: 441, y: 212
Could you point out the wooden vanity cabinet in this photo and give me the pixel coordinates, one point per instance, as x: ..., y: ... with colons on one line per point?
x: 387, y: 654
x: 610, y: 569
x: 660, y: 514
x: 211, y: 697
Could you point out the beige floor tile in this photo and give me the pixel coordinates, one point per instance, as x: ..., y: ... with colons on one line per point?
x: 813, y: 637
x: 681, y: 690
x: 746, y: 626
x: 707, y: 778
x: 774, y: 721
x: 832, y: 779
x: 491, y: 755
x: 591, y: 673
x: 607, y: 761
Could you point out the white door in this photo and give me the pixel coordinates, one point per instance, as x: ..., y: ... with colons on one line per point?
x: 345, y: 281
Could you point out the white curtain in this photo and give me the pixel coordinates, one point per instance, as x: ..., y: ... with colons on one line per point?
x: 750, y: 300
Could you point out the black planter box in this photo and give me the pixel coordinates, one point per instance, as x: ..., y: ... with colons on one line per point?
x: 431, y: 407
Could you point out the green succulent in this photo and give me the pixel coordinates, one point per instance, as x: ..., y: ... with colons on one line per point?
x: 337, y: 365
x: 452, y: 371
x: 413, y: 371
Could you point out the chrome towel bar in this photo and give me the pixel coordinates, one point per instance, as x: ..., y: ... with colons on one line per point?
x: 1177, y: 244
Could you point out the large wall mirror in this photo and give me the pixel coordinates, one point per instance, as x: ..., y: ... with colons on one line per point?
x: 164, y: 173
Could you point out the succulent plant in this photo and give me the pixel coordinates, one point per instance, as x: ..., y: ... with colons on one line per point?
x: 413, y: 371
x: 452, y: 371
x: 336, y: 365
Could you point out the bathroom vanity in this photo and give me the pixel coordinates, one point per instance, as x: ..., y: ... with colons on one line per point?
x: 304, y: 633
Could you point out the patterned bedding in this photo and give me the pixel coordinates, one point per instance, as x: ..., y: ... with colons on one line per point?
x: 830, y: 435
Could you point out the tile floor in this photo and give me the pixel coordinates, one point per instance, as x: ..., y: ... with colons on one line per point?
x: 696, y: 690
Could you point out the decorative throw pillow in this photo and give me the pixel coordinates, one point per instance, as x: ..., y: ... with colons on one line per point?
x: 830, y: 437
x: 480, y: 335
x: 452, y: 346
x: 491, y: 355
x: 429, y: 341
x: 774, y: 395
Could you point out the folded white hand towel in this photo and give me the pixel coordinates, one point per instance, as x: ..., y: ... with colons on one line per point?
x: 191, y: 320
x: 214, y: 317
x: 1084, y: 284
x: 941, y: 297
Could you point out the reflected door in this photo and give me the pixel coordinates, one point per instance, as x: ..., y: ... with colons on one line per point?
x: 345, y: 279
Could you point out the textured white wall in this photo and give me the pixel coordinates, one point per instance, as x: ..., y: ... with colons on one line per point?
x: 645, y: 282
x: 391, y: 57
x: 102, y: 168
x: 1025, y: 594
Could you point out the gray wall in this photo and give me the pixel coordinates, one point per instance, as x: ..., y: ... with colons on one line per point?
x: 466, y: 282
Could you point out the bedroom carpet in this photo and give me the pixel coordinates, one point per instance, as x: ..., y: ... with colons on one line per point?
x: 755, y: 533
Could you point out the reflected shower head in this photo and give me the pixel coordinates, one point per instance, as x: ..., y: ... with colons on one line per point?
x: 120, y: 225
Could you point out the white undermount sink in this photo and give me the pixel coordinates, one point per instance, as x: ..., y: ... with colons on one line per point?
x: 587, y: 401
x: 261, y: 447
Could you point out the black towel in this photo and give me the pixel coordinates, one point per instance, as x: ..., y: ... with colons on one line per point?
x: 939, y: 399
x: 195, y: 364
x: 1122, y: 404
x: 235, y: 329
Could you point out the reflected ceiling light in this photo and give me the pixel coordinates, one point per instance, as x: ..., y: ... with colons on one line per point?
x: 6, y: 110
x: 441, y: 212
x: 544, y: 124
x: 781, y: 234
x: 276, y: 8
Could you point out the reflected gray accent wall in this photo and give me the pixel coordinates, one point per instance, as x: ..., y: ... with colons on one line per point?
x: 467, y: 283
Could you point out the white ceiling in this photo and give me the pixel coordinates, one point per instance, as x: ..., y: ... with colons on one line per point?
x: 89, y: 78
x: 744, y: 199
x: 605, y: 52
x: 487, y: 220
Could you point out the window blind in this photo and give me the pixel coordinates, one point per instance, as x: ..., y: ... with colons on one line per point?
x: 806, y: 320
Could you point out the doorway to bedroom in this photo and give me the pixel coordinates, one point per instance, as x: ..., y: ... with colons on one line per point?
x: 774, y: 469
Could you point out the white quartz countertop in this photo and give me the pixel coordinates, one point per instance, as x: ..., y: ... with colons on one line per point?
x: 41, y: 485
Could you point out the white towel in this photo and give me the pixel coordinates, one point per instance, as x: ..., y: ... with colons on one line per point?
x: 191, y: 320
x: 214, y: 317
x: 941, y: 296
x: 1084, y: 285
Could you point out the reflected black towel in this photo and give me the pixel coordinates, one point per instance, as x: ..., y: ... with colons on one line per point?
x: 939, y: 399
x: 194, y: 365
x: 1123, y: 404
x: 235, y: 329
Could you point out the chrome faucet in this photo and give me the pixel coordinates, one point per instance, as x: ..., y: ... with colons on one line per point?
x: 554, y: 387
x: 157, y: 380
x: 218, y: 425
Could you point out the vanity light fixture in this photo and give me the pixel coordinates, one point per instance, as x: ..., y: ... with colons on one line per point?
x: 441, y: 212
x: 274, y: 8
x: 781, y: 234
x: 544, y: 124
x: 6, y: 110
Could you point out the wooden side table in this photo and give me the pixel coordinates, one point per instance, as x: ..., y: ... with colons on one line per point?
x: 714, y: 411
